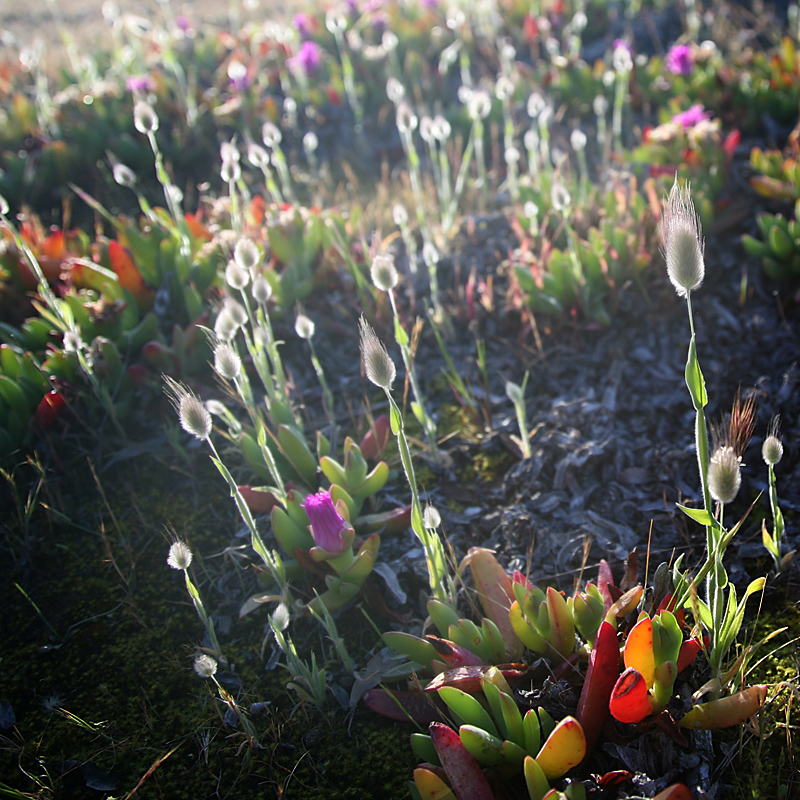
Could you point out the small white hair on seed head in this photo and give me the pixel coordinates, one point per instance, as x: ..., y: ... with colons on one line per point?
x: 683, y: 240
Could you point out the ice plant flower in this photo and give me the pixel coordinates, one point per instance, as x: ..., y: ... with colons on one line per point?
x: 333, y: 534
x: 683, y: 243
x: 308, y: 58
x: 692, y: 116
x: 680, y: 60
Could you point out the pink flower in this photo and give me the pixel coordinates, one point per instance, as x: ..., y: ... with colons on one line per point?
x: 307, y: 58
x: 304, y: 25
x: 332, y: 533
x: 679, y: 60
x: 692, y: 116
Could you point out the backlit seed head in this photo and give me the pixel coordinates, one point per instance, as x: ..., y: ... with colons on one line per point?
x: 3, y: 206
x: 379, y: 367
x: 145, y: 119
x: 236, y: 277
x: 257, y: 155
x: 479, y: 105
x: 536, y: 105
x: 124, y: 175
x: 395, y: 90
x: 180, y: 556
x: 578, y: 140
x: 683, y: 242
x: 271, y: 134
x: 772, y: 449
x: 399, y: 215
x: 724, y: 474
x: 228, y: 151
x: 431, y: 518
x: 193, y: 415
x: 230, y: 171
x: 406, y: 119
x: 441, y: 128
x: 262, y: 290
x: 310, y: 142
x: 226, y: 362
x: 384, y: 273
x: 304, y: 327
x: 246, y: 254
x: 205, y: 666
x: 512, y: 155
x: 600, y: 105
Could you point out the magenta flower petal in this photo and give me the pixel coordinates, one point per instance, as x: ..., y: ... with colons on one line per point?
x: 679, y: 60
x: 692, y: 116
x: 329, y: 529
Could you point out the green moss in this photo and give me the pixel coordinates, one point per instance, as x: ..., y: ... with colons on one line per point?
x: 767, y: 765
x: 120, y: 662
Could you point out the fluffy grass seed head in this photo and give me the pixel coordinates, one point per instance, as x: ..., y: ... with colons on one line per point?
x: 772, y: 449
x: 683, y: 240
x: 226, y: 362
x: 246, y: 254
x: 724, y: 474
x: 304, y: 327
x: 145, y: 119
x: 383, y: 272
x: 262, y: 290
x: 180, y: 556
x: 235, y: 276
x: 379, y: 367
x: 205, y: 666
x: 193, y: 415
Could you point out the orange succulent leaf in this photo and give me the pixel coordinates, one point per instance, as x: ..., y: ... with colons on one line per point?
x: 726, y: 711
x: 638, y: 652
x: 564, y: 749
x: 197, y: 229
x: 462, y: 770
x: 601, y: 677
x: 630, y: 700
x: 129, y: 276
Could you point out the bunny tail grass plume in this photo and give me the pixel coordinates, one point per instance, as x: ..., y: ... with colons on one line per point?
x: 180, y: 556
x: 683, y: 241
x: 193, y: 415
x: 380, y: 368
x: 724, y: 474
x: 772, y: 449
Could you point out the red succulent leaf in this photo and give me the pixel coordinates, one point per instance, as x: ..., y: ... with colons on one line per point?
x: 49, y: 408
x: 454, y: 655
x: 258, y: 500
x: 688, y: 653
x: 614, y: 778
x: 630, y: 700
x: 463, y: 771
x: 470, y: 679
x: 601, y: 677
x: 402, y: 705
x: 376, y: 438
